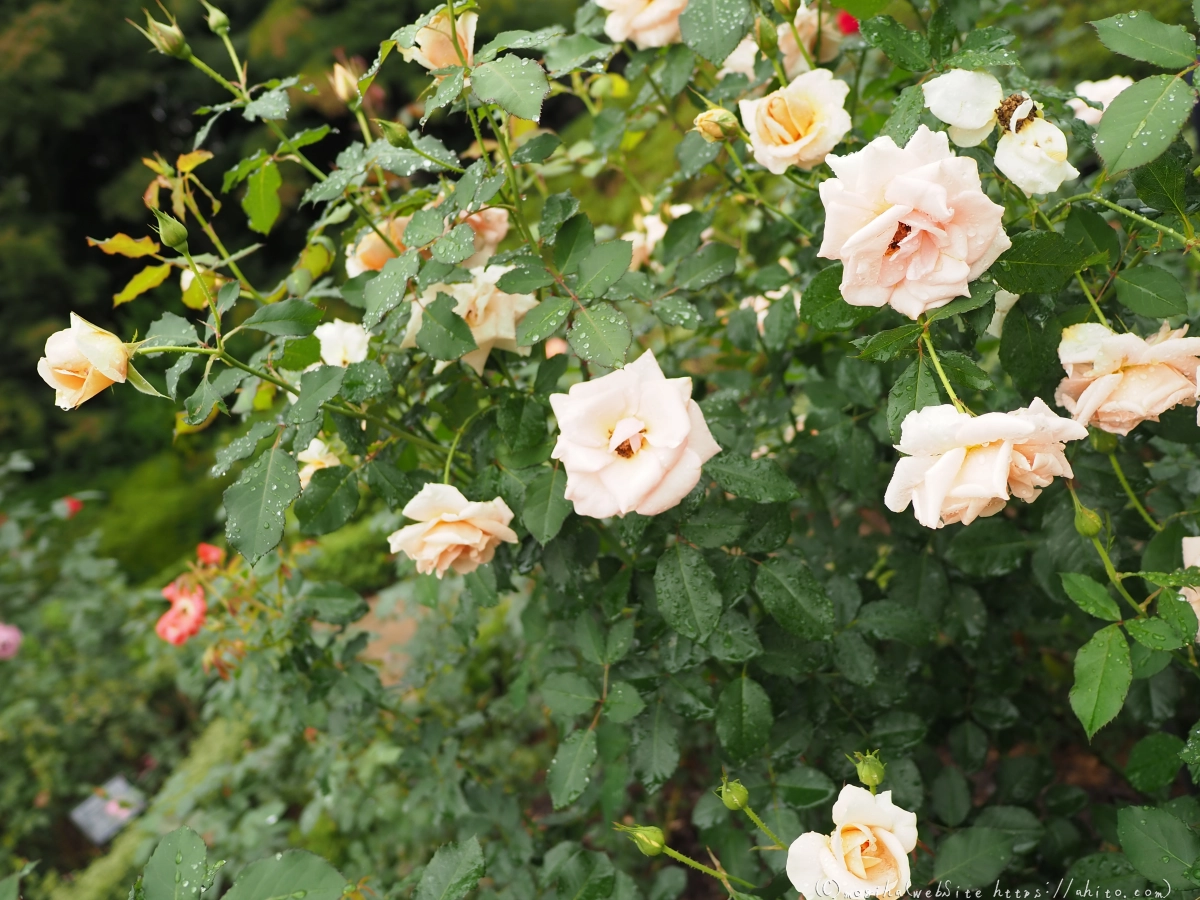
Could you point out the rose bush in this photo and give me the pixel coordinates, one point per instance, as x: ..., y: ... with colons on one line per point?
x: 686, y: 533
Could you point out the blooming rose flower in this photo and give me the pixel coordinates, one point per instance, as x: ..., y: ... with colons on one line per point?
x: 1116, y: 381
x: 342, y: 342
x: 1005, y: 301
x: 81, y: 361
x: 370, y: 253
x: 865, y: 856
x: 185, y: 618
x: 315, y: 456
x: 1032, y: 152
x: 649, y: 230
x: 912, y: 225
x: 434, y: 47
x: 10, y: 640
x: 961, y: 467
x: 648, y: 23
x: 452, y: 532
x: 741, y: 61
x: 492, y: 315
x: 490, y: 226
x: 797, y: 125
x: 1191, y: 557
x: 209, y: 554
x: 1102, y: 92
x: 806, y: 27
x: 630, y: 441
x: 967, y: 102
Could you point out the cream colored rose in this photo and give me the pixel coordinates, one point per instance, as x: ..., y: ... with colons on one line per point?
x: 808, y: 22
x: 960, y: 467
x: 490, y: 226
x: 1102, y: 92
x: 81, y: 361
x: 370, y: 253
x: 315, y: 456
x: 434, y: 47
x: 741, y: 61
x: 1191, y: 557
x: 797, y: 125
x: 1034, y: 157
x: 648, y: 23
x: 452, y: 532
x: 967, y: 102
x: 630, y: 441
x: 865, y: 856
x: 344, y: 83
x: 342, y: 342
x: 1117, y: 381
x: 912, y: 225
x: 762, y: 304
x: 1005, y: 301
x: 492, y: 315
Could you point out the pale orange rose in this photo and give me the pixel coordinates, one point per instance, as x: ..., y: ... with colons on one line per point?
x: 452, y: 532
x: 81, y: 361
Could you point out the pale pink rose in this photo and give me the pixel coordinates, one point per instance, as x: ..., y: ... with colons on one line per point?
x: 967, y: 102
x: 81, y: 361
x: 452, y: 532
x: 631, y: 441
x: 865, y: 856
x: 650, y: 229
x: 492, y: 315
x: 1005, y: 301
x: 370, y: 252
x: 797, y: 125
x: 10, y: 640
x: 807, y: 28
x: 1102, y: 92
x: 1117, y: 381
x: 960, y: 467
x: 556, y: 346
x: 1032, y: 152
x: 435, y: 48
x: 648, y: 23
x: 912, y: 225
x: 315, y: 456
x: 342, y: 342
x: 490, y: 226
x: 1191, y: 557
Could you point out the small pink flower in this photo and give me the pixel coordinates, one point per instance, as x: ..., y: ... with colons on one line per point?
x: 10, y: 640
x: 209, y: 555
x: 185, y: 618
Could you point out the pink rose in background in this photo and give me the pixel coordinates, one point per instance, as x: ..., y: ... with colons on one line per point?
x: 797, y: 125
x: 1191, y: 557
x: 434, y: 46
x: 960, y: 467
x: 912, y: 225
x: 631, y: 441
x: 81, y: 361
x: 1117, y: 381
x: 10, y: 640
x: 186, y: 616
x: 452, y: 532
x: 648, y: 23
x: 1102, y: 92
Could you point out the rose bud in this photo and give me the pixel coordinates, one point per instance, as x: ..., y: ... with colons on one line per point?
x: 716, y: 125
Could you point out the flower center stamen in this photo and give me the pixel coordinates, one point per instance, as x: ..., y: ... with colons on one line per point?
x: 903, y: 230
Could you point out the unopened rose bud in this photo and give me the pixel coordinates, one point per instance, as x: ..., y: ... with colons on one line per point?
x: 394, y: 133
x: 734, y: 795
x: 870, y: 769
x: 1087, y: 522
x: 786, y: 8
x: 218, y: 22
x: 167, y: 38
x: 171, y: 230
x: 1102, y: 441
x: 716, y: 125
x: 765, y: 35
x: 345, y: 85
x: 649, y: 838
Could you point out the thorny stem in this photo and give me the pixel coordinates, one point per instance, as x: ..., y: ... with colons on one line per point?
x: 763, y: 827
x: 1129, y: 492
x: 502, y: 140
x: 212, y: 302
x: 1092, y: 300
x: 699, y: 867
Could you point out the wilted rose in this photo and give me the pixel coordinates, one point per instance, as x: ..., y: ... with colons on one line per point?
x: 1032, y: 152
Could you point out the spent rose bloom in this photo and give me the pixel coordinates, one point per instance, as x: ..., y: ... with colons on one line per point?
x: 315, y: 456
x: 865, y: 856
x: 490, y: 226
x: 912, y: 225
x: 631, y: 441
x: 1102, y: 92
x: 797, y: 125
x: 185, y: 618
x: 967, y: 102
x: 960, y: 467
x: 1191, y: 557
x: 434, y: 47
x: 370, y: 253
x: 452, y: 532
x: 81, y: 361
x: 10, y: 640
x: 1117, y: 381
x: 342, y: 342
x: 1005, y: 301
x: 808, y: 22
x: 648, y: 23
x: 1032, y: 152
x: 491, y: 314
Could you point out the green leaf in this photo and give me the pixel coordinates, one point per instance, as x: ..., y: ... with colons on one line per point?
x: 1158, y: 845
x: 1139, y: 35
x: 255, y: 504
x: 448, y: 90
x: 286, y: 874
x: 543, y: 320
x: 525, y: 279
x: 1091, y: 230
x: 516, y: 85
x: 180, y: 858
x: 1176, y: 610
x: 687, y: 592
x: 575, y: 51
x: 693, y: 153
x: 199, y: 406
x: 656, y: 751
x: 10, y: 886
x: 1103, y: 672
x: 1023, y: 828
x: 1154, y: 762
x: 822, y: 305
x: 287, y: 317
x: 568, y: 694
x: 536, y: 148
x: 138, y: 382
x: 1029, y: 351
x: 734, y: 639
x: 972, y: 858
x: 455, y: 246
x: 386, y: 290
x: 915, y: 389
x: 317, y: 388
x: 855, y: 659
x: 1038, y: 262
x: 575, y: 240
x: 329, y: 501
x: 444, y: 333
x: 675, y: 310
x: 145, y: 280
x: 744, y: 718
x: 240, y: 448
x: 951, y: 796
x: 891, y: 621
x: 1162, y: 185
x: 1113, y: 870
x: 1142, y: 121
x: 453, y: 872
x: 988, y: 549
x: 557, y: 209
x: 425, y: 227
x: 760, y: 480
x: 545, y: 507
x: 624, y: 703
x: 902, y: 124
x: 261, y: 201
x: 714, y: 27
x: 964, y: 371
x: 570, y: 770
x: 710, y: 264
x: 889, y: 344
x: 907, y: 49
x: 794, y: 597
x: 601, y: 334
x: 273, y: 104
x: 805, y: 787
x: 600, y: 269
x: 684, y: 235
x: 335, y: 604
x: 1150, y: 291
x: 1090, y: 596
x: 365, y: 380
x: 1155, y: 634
